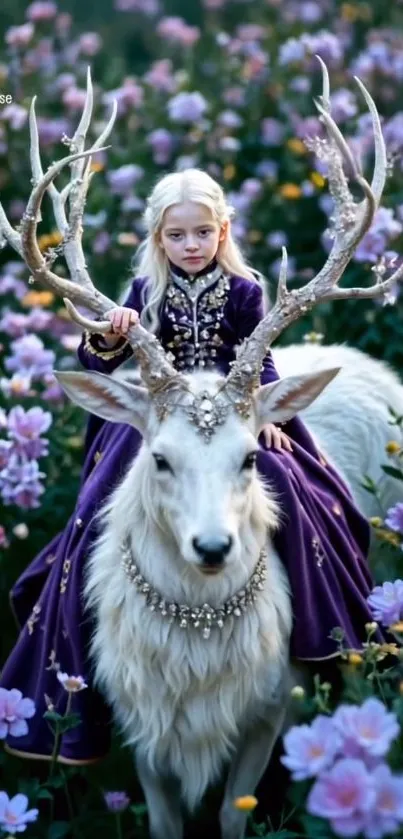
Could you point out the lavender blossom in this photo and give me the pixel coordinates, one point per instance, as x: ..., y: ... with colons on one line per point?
x: 367, y: 730
x: 386, y: 602
x: 15, y: 710
x: 14, y: 815
x: 311, y: 748
x: 345, y: 795
x: 25, y: 427
x: 394, y: 518
x: 187, y: 107
x: 116, y: 802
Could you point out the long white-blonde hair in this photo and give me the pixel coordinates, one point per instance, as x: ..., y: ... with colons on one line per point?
x: 150, y: 260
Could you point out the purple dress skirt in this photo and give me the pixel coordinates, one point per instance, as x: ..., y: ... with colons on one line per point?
x: 323, y: 541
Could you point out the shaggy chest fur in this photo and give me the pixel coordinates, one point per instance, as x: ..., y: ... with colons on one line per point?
x: 184, y: 700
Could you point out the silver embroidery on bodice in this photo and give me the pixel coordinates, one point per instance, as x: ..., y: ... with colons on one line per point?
x: 195, y: 314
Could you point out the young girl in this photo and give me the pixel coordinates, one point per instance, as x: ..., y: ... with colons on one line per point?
x: 195, y: 291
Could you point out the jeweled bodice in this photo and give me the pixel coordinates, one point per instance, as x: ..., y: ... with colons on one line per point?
x: 193, y: 313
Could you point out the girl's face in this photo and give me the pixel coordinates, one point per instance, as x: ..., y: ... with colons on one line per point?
x: 189, y: 236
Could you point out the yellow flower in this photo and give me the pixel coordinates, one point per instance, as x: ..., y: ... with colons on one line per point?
x: 296, y: 145
x: 317, y: 179
x: 376, y: 521
x: 289, y: 190
x: 38, y: 298
x: 229, y: 172
x: 313, y: 337
x: 245, y: 802
x: 74, y: 442
x: 392, y: 447
x: 389, y: 649
x: 128, y: 239
x: 49, y: 240
x: 355, y: 659
x: 254, y: 236
x: 371, y: 626
x: 389, y: 536
x: 97, y: 166
x: 397, y: 627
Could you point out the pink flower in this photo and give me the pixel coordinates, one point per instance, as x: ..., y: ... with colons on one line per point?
x: 74, y: 98
x: 19, y: 36
x: 311, y: 748
x: 89, y: 43
x: 367, y: 730
x: 388, y: 812
x: 73, y: 684
x: 41, y: 10
x: 15, y: 115
x: 14, y: 815
x: 344, y: 795
x: 176, y: 30
x: 14, y: 711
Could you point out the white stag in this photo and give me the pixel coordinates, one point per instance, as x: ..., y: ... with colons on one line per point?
x: 203, y: 686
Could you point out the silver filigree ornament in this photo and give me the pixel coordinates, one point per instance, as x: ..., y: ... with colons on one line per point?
x: 202, y: 618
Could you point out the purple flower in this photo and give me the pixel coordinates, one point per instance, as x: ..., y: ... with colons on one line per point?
x: 386, y: 602
x: 148, y: 7
x: 14, y: 324
x: 394, y: 517
x: 162, y: 144
x: 15, y: 710
x: 272, y: 132
x: 19, y: 36
x: 41, y: 10
x: 344, y: 795
x: 14, y: 815
x: 24, y: 427
x: 19, y: 482
x: 160, y: 76
x: 187, y: 107
x: 388, y: 812
x: 311, y: 748
x: 177, y: 31
x: 367, y: 730
x: 344, y: 105
x: 122, y: 180
x: 89, y: 43
x: 116, y: 802
x: 30, y: 357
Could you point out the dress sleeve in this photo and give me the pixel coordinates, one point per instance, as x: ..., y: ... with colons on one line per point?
x: 250, y: 313
x: 93, y: 352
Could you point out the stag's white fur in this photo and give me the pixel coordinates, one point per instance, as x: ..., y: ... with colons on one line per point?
x: 190, y: 706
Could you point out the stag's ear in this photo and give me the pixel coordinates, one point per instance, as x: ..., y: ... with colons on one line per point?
x: 107, y: 397
x: 281, y: 401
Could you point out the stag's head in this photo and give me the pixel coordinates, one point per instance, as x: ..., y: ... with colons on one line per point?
x: 197, y: 466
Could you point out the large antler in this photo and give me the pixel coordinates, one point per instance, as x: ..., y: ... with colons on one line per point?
x: 156, y: 370
x: 352, y: 221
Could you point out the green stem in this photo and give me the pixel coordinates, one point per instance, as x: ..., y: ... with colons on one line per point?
x: 119, y: 833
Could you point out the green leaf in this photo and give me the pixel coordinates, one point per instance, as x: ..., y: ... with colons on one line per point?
x: 58, y: 829
x: 45, y: 793
x: 393, y: 472
x: 316, y: 828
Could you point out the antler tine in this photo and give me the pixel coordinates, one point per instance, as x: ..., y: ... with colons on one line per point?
x: 156, y: 370
x: 352, y: 222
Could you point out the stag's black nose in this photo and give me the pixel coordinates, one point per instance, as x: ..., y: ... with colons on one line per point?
x: 212, y: 552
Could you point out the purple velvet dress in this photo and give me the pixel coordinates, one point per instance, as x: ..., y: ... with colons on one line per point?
x: 323, y: 541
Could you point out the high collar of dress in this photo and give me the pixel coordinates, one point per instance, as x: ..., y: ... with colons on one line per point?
x: 186, y: 275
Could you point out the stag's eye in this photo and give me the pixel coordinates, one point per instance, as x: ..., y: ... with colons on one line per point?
x: 250, y: 461
x: 161, y: 463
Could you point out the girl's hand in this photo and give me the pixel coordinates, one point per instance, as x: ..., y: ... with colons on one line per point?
x: 122, y: 318
x: 276, y: 438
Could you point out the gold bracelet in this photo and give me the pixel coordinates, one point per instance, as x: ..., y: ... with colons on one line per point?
x: 107, y: 354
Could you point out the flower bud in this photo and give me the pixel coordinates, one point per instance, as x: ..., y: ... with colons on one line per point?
x: 298, y: 692
x: 245, y: 802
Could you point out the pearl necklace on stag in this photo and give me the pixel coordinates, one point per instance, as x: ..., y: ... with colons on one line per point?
x: 205, y: 617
